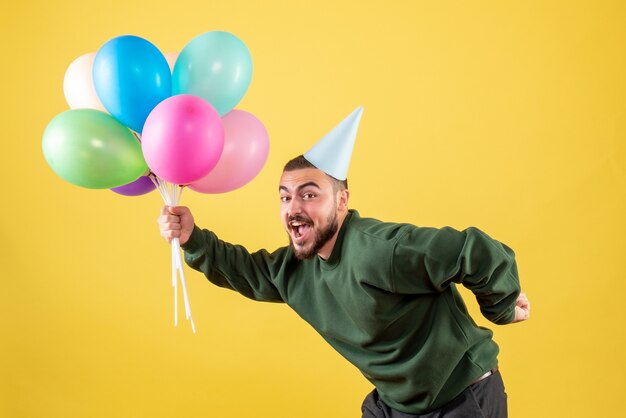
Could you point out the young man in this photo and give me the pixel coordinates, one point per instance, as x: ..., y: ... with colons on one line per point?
x: 382, y: 294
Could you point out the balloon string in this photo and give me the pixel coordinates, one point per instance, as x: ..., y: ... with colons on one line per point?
x: 180, y: 194
x: 153, y: 178
x: 171, y: 194
x: 165, y: 192
x: 174, y: 285
x: 182, y: 279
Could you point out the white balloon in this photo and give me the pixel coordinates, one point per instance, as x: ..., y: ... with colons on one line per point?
x: 78, y: 85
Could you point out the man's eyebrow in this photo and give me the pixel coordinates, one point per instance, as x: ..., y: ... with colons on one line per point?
x: 300, y: 187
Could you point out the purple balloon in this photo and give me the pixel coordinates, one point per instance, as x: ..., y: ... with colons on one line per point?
x: 138, y: 187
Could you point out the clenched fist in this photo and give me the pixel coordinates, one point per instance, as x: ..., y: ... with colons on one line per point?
x: 522, y: 308
x: 175, y: 222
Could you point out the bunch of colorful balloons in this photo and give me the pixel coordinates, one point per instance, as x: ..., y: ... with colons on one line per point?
x: 141, y: 120
x: 135, y: 112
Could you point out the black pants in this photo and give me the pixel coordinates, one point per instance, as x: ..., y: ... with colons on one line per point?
x: 485, y: 399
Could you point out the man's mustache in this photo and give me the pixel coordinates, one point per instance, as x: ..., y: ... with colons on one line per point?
x: 299, y: 218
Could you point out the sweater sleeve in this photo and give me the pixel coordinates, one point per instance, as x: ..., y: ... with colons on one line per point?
x: 429, y: 259
x: 232, y: 266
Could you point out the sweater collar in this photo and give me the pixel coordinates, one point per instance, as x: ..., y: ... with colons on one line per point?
x: 335, y: 255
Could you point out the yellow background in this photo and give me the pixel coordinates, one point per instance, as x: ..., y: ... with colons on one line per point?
x: 508, y: 116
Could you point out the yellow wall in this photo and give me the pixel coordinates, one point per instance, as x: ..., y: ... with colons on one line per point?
x: 508, y: 116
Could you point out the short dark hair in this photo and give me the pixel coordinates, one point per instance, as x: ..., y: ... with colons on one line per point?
x: 300, y: 163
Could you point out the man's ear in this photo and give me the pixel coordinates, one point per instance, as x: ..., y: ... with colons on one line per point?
x: 342, y: 201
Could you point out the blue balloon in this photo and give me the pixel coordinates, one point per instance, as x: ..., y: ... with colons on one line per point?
x: 131, y: 77
x: 215, y: 66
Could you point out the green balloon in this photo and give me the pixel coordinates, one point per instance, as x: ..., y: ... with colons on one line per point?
x: 89, y: 148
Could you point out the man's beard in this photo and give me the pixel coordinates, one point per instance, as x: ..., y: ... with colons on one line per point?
x: 320, y: 238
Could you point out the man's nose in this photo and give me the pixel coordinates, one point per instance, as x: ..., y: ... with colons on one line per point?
x: 294, y: 207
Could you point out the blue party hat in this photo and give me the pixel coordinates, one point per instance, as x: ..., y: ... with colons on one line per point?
x: 332, y: 153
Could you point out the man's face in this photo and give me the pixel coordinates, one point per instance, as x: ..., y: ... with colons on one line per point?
x: 308, y: 209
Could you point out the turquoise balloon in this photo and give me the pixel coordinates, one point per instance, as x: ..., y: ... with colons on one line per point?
x: 90, y: 148
x: 215, y: 66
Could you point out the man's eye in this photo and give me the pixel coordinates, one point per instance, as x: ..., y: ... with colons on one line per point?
x: 308, y: 196
x: 284, y: 198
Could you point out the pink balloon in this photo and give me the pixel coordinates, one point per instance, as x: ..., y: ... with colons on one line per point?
x: 246, y: 146
x: 182, y: 139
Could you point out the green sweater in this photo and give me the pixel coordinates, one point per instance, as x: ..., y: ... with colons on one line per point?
x: 385, y: 300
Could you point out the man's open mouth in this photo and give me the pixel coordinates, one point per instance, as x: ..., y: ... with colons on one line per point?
x: 299, y: 229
